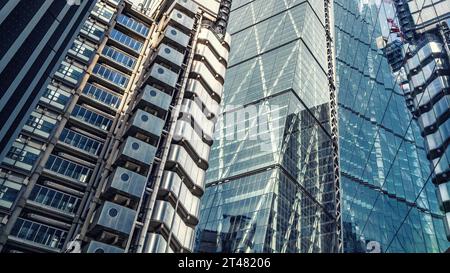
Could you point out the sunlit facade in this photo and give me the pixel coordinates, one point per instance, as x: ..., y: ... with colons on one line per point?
x: 270, y: 186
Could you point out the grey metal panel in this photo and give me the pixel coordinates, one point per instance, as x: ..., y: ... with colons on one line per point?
x: 161, y: 75
x: 97, y: 247
x: 127, y: 182
x: 148, y: 123
x: 170, y: 56
x: 176, y: 36
x: 115, y: 217
x: 137, y: 151
x: 153, y: 97
x: 181, y: 21
x: 187, y: 6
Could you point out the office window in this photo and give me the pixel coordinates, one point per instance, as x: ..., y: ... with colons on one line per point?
x: 10, y: 186
x: 23, y: 154
x: 101, y: 95
x: 126, y: 40
x: 133, y: 24
x: 40, y: 123
x: 111, y: 75
x: 56, y: 96
x: 119, y: 57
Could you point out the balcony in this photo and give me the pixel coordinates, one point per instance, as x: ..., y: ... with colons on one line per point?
x: 38, y: 235
x: 99, y: 248
x: 137, y: 151
x: 126, y: 183
x: 113, y: 218
x: 163, y: 76
x: 154, y: 98
x: 145, y: 123
x: 165, y: 214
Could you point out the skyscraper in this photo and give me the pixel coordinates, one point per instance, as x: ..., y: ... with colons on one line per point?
x: 389, y: 202
x: 35, y: 35
x: 113, y: 156
x: 271, y: 186
x: 277, y: 192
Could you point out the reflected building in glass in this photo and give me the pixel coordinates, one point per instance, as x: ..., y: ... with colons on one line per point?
x: 271, y: 184
x: 389, y: 204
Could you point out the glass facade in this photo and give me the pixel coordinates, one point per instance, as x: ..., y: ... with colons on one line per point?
x: 270, y: 184
x: 389, y: 203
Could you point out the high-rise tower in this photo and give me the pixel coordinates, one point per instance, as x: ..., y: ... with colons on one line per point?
x: 112, y: 158
x: 271, y: 186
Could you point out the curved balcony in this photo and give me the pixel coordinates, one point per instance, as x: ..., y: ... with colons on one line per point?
x: 201, y: 71
x: 437, y: 142
x: 422, y: 54
x: 199, y: 150
x: 196, y: 89
x: 430, y: 121
x: 435, y: 88
x: 180, y: 161
x: 207, y: 36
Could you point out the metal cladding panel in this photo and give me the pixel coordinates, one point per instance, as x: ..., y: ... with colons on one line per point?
x: 187, y: 6
x: 154, y: 97
x: 147, y: 122
x: 171, y: 56
x: 136, y: 150
x: 164, y: 75
x: 128, y: 182
x: 97, y: 247
x: 115, y: 217
x: 181, y: 20
x: 175, y: 35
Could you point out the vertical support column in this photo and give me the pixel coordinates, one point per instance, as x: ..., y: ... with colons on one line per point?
x: 328, y: 5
